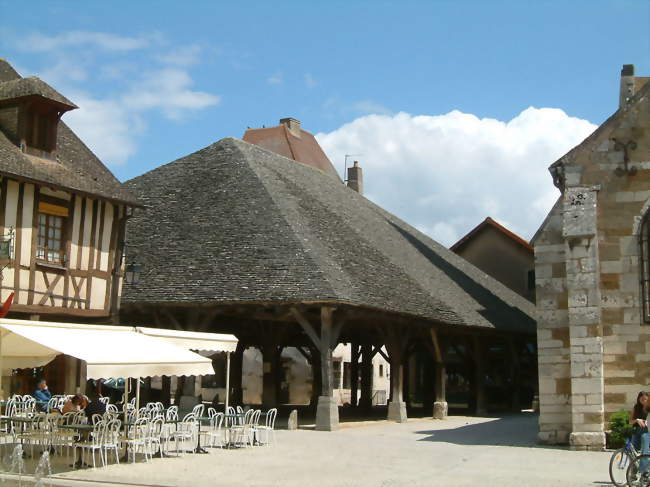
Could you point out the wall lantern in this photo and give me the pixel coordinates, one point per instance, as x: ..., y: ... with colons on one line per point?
x: 132, y: 273
x: 6, y: 243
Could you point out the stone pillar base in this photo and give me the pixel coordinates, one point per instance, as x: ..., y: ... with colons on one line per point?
x: 397, y: 411
x: 327, y: 414
x: 587, y: 440
x: 440, y: 410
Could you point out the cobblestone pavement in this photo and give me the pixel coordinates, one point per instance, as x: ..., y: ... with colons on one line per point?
x: 460, y: 451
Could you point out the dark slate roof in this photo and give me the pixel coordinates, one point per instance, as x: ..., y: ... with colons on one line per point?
x: 236, y: 223
x: 22, y: 87
x: 76, y: 167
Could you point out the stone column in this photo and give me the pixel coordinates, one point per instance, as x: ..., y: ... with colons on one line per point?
x: 585, y: 334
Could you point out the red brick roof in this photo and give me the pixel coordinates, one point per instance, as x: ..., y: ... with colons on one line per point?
x: 489, y: 222
x: 304, y: 148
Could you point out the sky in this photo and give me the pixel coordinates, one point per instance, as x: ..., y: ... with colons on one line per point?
x: 454, y: 109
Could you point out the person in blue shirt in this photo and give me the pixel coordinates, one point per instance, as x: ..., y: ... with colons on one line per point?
x: 42, y: 394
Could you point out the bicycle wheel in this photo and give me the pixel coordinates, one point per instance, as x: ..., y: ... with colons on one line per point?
x: 634, y: 479
x: 618, y: 465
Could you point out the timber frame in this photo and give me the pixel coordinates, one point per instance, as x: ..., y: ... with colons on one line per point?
x: 315, y: 329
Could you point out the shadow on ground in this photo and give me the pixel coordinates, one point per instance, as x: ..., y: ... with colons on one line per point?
x: 510, y: 430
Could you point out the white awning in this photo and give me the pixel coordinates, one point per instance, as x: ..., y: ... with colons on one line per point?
x: 192, y: 340
x: 109, y: 351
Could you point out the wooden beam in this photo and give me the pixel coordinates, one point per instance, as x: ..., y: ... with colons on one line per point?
x: 306, y: 326
x: 436, y: 345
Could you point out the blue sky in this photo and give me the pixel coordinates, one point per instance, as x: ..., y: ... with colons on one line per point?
x: 158, y: 80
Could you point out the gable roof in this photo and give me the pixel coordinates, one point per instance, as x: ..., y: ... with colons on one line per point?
x: 281, y: 140
x: 490, y: 223
x: 76, y: 167
x: 615, y: 118
x: 234, y: 223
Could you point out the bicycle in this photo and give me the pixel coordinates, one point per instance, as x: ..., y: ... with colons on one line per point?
x: 632, y: 476
x: 619, y: 463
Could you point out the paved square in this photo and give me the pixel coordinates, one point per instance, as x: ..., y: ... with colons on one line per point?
x: 461, y: 451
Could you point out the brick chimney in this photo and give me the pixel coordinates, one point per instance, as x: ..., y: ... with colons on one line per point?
x: 627, y: 85
x: 292, y: 124
x: 355, y: 178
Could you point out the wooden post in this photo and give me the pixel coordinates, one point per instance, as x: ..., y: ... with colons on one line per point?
x: 396, y: 341
x: 354, y: 374
x: 166, y: 390
x: 269, y: 367
x: 365, y: 401
x: 225, y: 404
x: 479, y: 377
x: 515, y: 404
x: 440, y: 406
x: 235, y: 375
x: 327, y: 413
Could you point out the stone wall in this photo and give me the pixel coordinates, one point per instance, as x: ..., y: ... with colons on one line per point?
x: 594, y: 348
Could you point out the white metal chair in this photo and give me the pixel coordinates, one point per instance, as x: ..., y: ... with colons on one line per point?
x: 93, y: 444
x: 215, y: 434
x: 268, y: 428
x: 136, y: 438
x: 186, y: 431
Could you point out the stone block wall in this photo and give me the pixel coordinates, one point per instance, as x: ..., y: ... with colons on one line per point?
x: 594, y: 347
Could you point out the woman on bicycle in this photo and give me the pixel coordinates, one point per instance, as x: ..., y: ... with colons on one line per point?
x: 639, y: 417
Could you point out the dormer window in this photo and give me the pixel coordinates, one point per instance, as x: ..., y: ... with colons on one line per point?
x: 30, y: 110
x: 41, y: 128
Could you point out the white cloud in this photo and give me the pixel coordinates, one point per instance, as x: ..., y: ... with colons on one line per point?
x: 444, y: 174
x: 106, y: 127
x: 370, y: 107
x: 276, y: 79
x: 76, y: 39
x: 182, y: 56
x: 169, y: 91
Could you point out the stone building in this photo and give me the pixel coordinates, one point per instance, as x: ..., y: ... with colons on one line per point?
x: 592, y: 275
x: 501, y: 254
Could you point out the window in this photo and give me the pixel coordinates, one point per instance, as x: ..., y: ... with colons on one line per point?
x: 51, y: 227
x: 531, y: 280
x: 644, y: 266
x: 381, y: 370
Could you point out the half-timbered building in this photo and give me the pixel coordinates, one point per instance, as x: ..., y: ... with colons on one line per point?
x: 62, y: 212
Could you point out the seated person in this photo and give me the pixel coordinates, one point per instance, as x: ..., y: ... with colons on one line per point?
x: 42, y: 394
x: 94, y: 406
x: 73, y: 404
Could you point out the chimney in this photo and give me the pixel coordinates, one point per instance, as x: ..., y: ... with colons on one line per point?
x: 292, y: 124
x: 355, y: 178
x: 627, y: 85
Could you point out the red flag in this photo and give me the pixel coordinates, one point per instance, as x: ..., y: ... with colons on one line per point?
x: 6, y: 306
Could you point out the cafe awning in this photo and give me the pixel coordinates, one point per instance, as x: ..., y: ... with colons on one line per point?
x: 109, y: 351
x: 204, y: 343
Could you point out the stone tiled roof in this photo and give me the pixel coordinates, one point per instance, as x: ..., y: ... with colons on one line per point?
x: 21, y: 87
x: 76, y: 168
x: 234, y: 223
